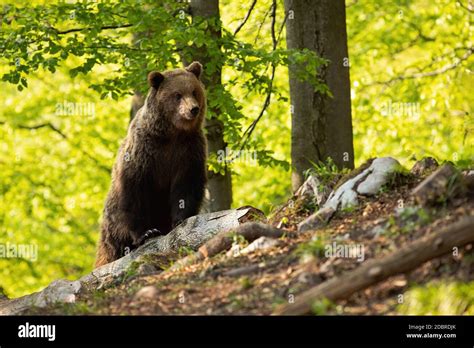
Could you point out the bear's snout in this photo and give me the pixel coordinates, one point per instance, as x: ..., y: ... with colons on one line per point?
x: 195, y: 111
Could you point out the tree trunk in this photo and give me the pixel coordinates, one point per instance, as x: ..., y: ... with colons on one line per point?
x: 219, y: 186
x: 321, y: 125
x: 137, y: 102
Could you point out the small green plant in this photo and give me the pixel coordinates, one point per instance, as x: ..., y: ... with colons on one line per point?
x: 278, y: 301
x: 310, y: 205
x: 185, y: 251
x: 453, y: 298
x: 464, y: 164
x: 132, y: 288
x: 236, y: 302
x: 349, y: 209
x: 325, y: 171
x: 246, y: 283
x: 131, y: 271
x: 413, y: 217
x: 284, y: 220
x: 315, y: 247
x: 407, y: 220
x: 398, y: 177
x: 453, y: 187
x: 99, y: 295
x: 77, y: 308
x: 469, y: 258
x: 322, y: 307
x: 240, y: 240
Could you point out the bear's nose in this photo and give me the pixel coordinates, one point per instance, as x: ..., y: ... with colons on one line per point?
x: 195, y: 111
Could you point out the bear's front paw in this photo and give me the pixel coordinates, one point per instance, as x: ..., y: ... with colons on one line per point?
x: 147, y: 235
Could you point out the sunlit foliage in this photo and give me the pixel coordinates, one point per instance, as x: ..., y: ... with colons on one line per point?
x: 66, y: 101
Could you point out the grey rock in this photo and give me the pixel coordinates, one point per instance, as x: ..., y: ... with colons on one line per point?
x: 312, y: 188
x: 60, y: 290
x: 317, y: 220
x: 367, y: 183
x: 261, y: 243
x: 147, y: 292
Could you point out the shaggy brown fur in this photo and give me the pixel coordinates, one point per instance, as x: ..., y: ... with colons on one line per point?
x: 159, y: 176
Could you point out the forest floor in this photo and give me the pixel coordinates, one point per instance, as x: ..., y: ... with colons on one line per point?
x: 258, y: 282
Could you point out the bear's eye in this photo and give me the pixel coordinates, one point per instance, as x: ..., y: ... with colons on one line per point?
x: 178, y: 96
x: 194, y: 94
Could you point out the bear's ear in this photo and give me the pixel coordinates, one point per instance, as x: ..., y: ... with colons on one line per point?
x: 155, y: 78
x: 195, y: 68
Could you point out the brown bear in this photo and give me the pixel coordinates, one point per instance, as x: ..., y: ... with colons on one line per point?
x: 159, y: 175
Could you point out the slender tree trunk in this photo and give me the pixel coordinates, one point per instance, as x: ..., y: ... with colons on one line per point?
x: 321, y: 125
x: 219, y: 186
x: 137, y: 102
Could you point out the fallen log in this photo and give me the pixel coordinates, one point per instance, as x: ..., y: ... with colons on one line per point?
x: 250, y: 231
x: 223, y: 241
x: 405, y: 259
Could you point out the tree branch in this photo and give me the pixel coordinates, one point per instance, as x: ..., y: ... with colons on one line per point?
x: 64, y: 136
x: 249, y: 230
x: 248, y: 132
x: 469, y: 7
x: 261, y: 25
x: 420, y: 34
x: 43, y: 125
x: 424, y: 73
x: 73, y: 30
x: 273, y: 15
x: 247, y: 16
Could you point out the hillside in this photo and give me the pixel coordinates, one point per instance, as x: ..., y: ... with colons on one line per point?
x: 263, y: 276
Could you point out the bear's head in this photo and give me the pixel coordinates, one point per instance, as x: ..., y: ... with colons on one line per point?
x: 179, y: 96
